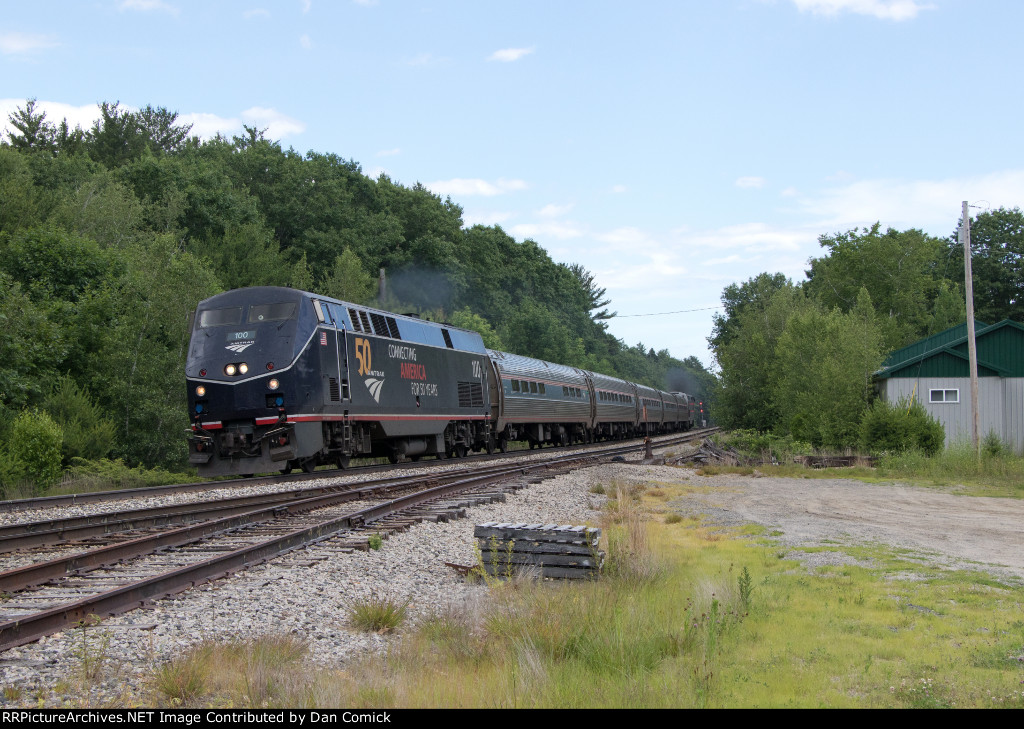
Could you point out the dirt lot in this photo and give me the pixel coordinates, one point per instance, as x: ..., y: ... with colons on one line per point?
x: 941, y: 528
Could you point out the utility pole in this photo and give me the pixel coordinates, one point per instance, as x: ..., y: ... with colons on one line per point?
x: 972, y: 347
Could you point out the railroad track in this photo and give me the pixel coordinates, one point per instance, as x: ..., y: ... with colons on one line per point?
x: 95, y: 497
x: 45, y: 597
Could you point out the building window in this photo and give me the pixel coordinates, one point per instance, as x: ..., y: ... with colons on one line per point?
x: 943, y: 396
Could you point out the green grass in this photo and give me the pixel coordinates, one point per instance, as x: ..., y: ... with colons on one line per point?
x: 959, y: 467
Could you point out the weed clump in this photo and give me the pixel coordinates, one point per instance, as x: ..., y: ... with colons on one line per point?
x: 629, y: 556
x: 378, y: 613
x: 183, y: 682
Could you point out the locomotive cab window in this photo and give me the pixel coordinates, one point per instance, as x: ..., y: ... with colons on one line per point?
x: 272, y: 312
x: 221, y: 317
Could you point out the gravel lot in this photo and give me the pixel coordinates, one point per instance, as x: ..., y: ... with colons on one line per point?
x: 307, y: 593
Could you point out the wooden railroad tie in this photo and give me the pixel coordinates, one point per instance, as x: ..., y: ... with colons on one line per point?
x: 564, y: 552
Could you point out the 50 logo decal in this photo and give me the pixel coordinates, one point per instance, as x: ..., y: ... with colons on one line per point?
x: 364, y: 355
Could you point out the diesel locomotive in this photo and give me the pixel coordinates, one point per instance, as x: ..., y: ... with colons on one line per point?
x: 280, y: 379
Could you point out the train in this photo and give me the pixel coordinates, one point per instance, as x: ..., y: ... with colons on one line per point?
x: 280, y: 379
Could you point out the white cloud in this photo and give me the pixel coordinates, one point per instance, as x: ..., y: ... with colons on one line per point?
x: 507, y: 55
x: 278, y: 125
x: 462, y: 187
x: 553, y: 211
x: 840, y: 176
x: 307, y: 5
x: 542, y: 231
x: 933, y: 205
x: 750, y: 182
x: 790, y: 192
x: 148, y: 6
x: 752, y: 237
x: 423, y: 59
x: 627, y: 238
x: 207, y: 125
x: 203, y: 124
x: 640, y: 276
x: 366, y: 3
x: 735, y: 258
x: 491, y: 218
x: 882, y: 9
x: 256, y: 13
x: 11, y: 43
x: 389, y: 152
x: 82, y: 116
x: 618, y: 189
x: 305, y: 41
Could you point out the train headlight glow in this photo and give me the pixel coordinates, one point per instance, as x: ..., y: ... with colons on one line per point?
x: 273, y: 384
x: 200, y: 391
x: 243, y: 368
x: 229, y: 370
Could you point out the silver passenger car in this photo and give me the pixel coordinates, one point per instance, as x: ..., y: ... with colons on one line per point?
x: 539, y: 402
x: 617, y: 413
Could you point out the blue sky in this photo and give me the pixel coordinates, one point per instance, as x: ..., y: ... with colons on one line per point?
x: 671, y: 147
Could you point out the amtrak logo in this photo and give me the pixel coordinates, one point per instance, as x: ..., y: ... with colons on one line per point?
x: 240, y: 347
x: 374, y: 385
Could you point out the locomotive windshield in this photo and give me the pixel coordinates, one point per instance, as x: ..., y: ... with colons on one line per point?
x: 220, y: 317
x: 272, y: 312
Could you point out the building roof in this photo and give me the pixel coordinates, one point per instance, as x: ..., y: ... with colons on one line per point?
x: 1000, y: 353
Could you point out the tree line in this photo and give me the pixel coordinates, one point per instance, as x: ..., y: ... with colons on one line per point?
x: 109, y: 236
x: 796, y: 358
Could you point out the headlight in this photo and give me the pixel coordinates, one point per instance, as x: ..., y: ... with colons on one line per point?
x: 273, y: 384
x: 229, y: 370
x: 200, y: 391
x: 243, y: 368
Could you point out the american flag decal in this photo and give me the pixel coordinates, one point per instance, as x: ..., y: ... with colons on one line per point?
x: 323, y: 338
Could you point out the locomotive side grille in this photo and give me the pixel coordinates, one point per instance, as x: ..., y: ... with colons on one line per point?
x: 366, y: 322
x: 447, y: 339
x: 354, y: 316
x: 471, y: 395
x: 380, y: 325
x: 393, y: 326
x: 335, y: 391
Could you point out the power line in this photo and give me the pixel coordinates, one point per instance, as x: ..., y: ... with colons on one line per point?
x: 664, y: 313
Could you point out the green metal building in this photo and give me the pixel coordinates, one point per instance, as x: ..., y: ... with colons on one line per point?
x: 936, y: 372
